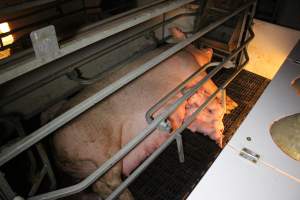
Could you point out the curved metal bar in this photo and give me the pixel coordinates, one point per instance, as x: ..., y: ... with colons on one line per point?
x: 72, y: 75
x: 93, y: 36
x: 25, y: 143
x: 133, y: 143
x: 76, y: 74
x: 20, y: 146
x: 160, y: 103
x: 165, y: 99
x: 177, y: 132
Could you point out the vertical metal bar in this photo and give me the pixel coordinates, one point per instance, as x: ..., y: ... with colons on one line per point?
x: 180, y: 148
x: 47, y: 165
x: 20, y: 130
x: 189, y: 120
x: 249, y: 21
x: 38, y: 181
x: 47, y: 129
x: 5, y: 189
x: 163, y: 28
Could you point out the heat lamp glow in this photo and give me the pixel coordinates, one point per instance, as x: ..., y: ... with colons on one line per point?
x: 7, y: 40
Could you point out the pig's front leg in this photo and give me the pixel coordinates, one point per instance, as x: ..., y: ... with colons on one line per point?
x: 110, y: 181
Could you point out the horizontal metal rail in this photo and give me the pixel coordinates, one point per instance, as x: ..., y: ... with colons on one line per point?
x: 90, y: 37
x: 28, y: 141
x: 27, y: 52
x: 26, y: 5
x: 17, y: 148
x: 86, y: 60
x: 165, y: 99
x: 158, y: 151
x: 139, y: 138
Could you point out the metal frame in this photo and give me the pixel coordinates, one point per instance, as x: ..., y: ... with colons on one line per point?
x: 46, y: 166
x: 93, y: 35
x: 22, y: 145
x: 75, y: 74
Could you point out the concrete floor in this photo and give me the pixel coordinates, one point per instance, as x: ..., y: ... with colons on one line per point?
x: 270, y: 47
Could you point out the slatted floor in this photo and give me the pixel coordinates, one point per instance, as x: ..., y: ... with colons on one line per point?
x: 166, y: 178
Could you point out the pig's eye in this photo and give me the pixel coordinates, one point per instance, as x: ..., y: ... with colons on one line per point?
x: 210, y: 111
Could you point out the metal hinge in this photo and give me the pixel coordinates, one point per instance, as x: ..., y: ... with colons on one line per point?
x: 249, y: 155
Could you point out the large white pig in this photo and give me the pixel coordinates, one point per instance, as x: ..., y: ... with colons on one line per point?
x: 84, y: 144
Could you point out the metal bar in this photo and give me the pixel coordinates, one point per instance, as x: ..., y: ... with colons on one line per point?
x: 46, y: 163
x: 38, y: 181
x: 123, y: 14
x: 106, y: 91
x: 180, y: 87
x: 15, y: 122
x: 83, y: 80
x: 118, y: 156
x: 133, y: 143
x: 180, y: 148
x: 157, y: 152
x: 15, y: 149
x: 92, y: 36
x: 5, y: 188
x: 11, y: 9
x: 40, y: 22
x: 160, y: 103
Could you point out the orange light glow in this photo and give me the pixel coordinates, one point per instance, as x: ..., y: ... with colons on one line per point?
x: 4, y: 27
x: 7, y: 40
x: 5, y: 53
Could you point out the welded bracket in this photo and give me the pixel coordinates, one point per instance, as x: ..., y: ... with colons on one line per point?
x: 45, y: 44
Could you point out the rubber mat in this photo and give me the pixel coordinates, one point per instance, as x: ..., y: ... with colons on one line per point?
x: 166, y: 178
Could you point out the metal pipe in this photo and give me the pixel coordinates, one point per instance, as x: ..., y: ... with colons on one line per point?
x: 45, y: 160
x: 93, y: 36
x: 160, y: 103
x: 11, y: 9
x: 177, y: 132
x: 18, y: 147
x: 83, y: 80
x: 94, y: 99
x: 118, y: 156
x: 166, y: 98
x: 133, y: 143
x: 40, y: 23
x: 38, y: 181
x: 5, y: 189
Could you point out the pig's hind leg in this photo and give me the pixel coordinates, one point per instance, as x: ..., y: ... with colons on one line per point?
x: 110, y: 181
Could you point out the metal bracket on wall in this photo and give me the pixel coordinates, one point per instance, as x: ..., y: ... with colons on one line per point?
x: 249, y: 155
x: 45, y: 44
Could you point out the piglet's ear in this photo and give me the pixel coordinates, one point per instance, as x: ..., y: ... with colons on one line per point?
x: 230, y: 105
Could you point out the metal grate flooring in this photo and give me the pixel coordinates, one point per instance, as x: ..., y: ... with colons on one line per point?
x: 166, y: 178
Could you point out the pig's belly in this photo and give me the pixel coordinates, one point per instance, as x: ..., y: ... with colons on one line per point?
x: 145, y: 148
x: 137, y: 98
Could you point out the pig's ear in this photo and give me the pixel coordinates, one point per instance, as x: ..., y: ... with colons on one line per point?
x: 219, y: 141
x: 203, y: 56
x: 230, y: 105
x: 208, y: 52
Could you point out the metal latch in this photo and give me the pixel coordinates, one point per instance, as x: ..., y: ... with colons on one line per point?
x: 249, y: 155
